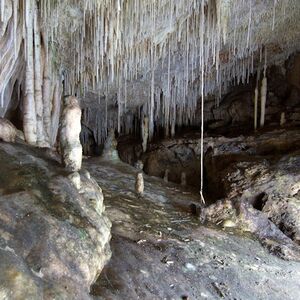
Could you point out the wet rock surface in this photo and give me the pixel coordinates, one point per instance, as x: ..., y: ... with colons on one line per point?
x: 54, y: 234
x: 161, y: 251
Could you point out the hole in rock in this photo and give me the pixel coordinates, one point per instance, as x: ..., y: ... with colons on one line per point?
x: 260, y: 201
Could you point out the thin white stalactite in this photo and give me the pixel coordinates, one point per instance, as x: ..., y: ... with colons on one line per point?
x: 202, y: 105
x: 263, y: 93
x: 2, y: 8
x: 274, y: 13
x: 249, y: 24
x: 15, y: 19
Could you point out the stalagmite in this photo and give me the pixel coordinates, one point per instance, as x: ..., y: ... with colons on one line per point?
x: 139, y: 165
x: 166, y: 175
x: 70, y: 147
x: 263, y: 94
x: 263, y: 101
x: 139, y: 184
x: 183, y: 179
x: 110, y: 151
x: 282, y: 119
x: 145, y: 133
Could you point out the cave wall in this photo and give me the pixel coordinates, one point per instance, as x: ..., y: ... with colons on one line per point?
x: 232, y: 118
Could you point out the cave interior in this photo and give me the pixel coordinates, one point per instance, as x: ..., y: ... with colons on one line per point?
x: 149, y: 149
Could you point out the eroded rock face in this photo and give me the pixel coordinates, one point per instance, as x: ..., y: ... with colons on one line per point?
x: 260, y: 180
x: 54, y: 232
x: 177, y: 158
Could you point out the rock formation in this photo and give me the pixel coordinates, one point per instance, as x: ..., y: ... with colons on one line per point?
x: 70, y: 127
x: 166, y: 175
x: 110, y: 151
x: 8, y: 131
x: 54, y: 236
x: 139, y: 184
x: 261, y: 194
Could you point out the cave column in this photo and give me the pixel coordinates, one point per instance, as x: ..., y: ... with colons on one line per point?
x: 38, y: 63
x: 29, y: 117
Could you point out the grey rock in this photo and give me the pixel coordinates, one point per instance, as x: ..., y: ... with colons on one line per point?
x: 54, y: 239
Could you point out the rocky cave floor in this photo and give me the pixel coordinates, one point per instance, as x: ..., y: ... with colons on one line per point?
x: 161, y: 251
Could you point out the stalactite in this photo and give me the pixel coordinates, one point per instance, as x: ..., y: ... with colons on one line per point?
x: 29, y: 114
x: 274, y: 12
x: 106, y: 46
x: 46, y: 93
x: 202, y: 106
x: 38, y: 80
x: 263, y: 94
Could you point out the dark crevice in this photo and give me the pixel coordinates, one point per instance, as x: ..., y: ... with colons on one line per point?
x: 260, y: 201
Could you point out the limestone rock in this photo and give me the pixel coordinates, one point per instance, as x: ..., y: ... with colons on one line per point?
x: 260, y: 189
x: 54, y: 239
x: 8, y: 131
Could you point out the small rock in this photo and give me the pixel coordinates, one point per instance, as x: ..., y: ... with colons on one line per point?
x: 190, y: 267
x: 228, y: 223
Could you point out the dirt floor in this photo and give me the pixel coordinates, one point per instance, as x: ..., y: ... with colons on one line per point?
x: 161, y: 251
